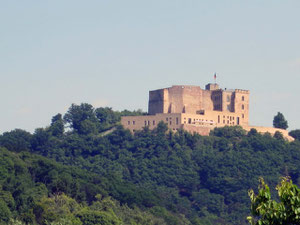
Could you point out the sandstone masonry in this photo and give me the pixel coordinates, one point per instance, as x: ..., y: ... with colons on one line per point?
x: 196, y: 110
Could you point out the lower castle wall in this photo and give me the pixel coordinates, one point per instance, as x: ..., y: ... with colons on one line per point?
x: 204, y: 131
x: 201, y: 124
x: 270, y: 130
x: 134, y: 123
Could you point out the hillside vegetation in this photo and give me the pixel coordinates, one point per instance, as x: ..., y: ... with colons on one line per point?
x: 78, y: 175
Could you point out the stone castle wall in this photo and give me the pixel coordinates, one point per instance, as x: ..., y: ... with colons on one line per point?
x: 197, y: 110
x: 194, y: 100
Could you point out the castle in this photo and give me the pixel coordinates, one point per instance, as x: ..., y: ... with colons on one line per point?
x: 197, y: 110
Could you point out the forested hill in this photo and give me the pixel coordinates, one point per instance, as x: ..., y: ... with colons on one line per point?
x: 75, y: 172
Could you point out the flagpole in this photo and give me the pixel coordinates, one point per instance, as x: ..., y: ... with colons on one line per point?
x: 215, y: 77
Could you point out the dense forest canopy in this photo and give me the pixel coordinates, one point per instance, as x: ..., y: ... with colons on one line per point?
x: 85, y: 168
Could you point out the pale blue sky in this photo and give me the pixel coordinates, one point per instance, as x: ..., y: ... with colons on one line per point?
x: 111, y: 53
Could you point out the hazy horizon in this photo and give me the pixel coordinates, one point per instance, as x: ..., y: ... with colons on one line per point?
x: 111, y: 53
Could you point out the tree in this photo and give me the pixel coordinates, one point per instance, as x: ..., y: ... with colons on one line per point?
x: 107, y: 118
x: 5, y: 213
x: 280, y: 122
x: 295, y: 134
x: 57, y: 125
x: 266, y: 211
x: 16, y: 140
x: 81, y: 118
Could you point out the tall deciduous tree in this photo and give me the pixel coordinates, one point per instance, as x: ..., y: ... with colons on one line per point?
x: 269, y: 212
x: 280, y: 122
x: 81, y: 118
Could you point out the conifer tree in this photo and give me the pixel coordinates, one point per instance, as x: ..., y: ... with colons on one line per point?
x: 280, y: 122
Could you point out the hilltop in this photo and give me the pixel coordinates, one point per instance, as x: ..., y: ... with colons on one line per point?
x: 149, y: 177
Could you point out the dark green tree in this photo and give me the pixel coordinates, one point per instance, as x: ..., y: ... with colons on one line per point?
x: 280, y: 122
x: 107, y: 118
x: 5, y: 213
x: 16, y: 140
x: 295, y: 134
x: 57, y: 125
x: 81, y: 118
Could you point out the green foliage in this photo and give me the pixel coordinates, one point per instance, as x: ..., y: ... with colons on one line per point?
x: 295, y: 134
x: 229, y: 132
x: 5, y: 213
x: 57, y: 209
x: 15, y: 222
x: 280, y: 122
x: 267, y: 211
x: 107, y: 118
x: 81, y: 118
x: 84, y: 119
x: 57, y: 125
x: 90, y: 217
x: 149, y: 177
x: 16, y: 140
x: 278, y: 135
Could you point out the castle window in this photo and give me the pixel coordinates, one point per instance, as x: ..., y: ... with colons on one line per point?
x: 243, y: 107
x: 133, y: 122
x: 170, y: 122
x: 190, y: 120
x: 145, y: 123
x: 148, y: 123
x: 166, y: 119
x: 128, y: 122
x: 223, y: 121
x: 243, y: 98
x: 218, y: 118
x: 243, y: 116
x: 153, y: 122
x: 177, y: 120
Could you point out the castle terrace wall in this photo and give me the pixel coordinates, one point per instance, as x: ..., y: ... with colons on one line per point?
x: 194, y: 123
x: 175, y: 120
x: 204, y: 131
x: 134, y: 123
x: 270, y: 130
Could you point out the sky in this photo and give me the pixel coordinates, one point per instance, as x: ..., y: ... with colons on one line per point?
x: 111, y: 53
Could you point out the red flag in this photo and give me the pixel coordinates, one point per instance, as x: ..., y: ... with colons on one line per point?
x: 215, y: 76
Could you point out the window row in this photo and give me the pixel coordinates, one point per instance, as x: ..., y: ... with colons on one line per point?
x: 153, y: 122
